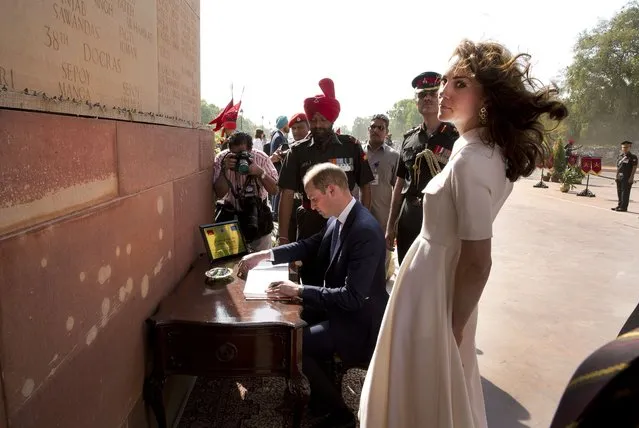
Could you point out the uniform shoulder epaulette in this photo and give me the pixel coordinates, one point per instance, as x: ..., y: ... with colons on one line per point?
x: 348, y: 139
x: 411, y: 131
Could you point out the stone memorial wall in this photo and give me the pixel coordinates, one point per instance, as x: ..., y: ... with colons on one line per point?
x: 102, y: 58
x: 99, y: 212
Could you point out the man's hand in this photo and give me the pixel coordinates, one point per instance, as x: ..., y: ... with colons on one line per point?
x: 277, y: 155
x: 230, y: 160
x: 390, y: 240
x: 283, y: 289
x: 282, y: 241
x: 249, y: 261
x: 631, y: 180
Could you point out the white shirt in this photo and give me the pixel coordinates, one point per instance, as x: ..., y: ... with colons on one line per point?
x: 258, y: 144
x: 344, y: 214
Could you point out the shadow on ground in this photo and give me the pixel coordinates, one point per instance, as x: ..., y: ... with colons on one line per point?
x: 502, y: 410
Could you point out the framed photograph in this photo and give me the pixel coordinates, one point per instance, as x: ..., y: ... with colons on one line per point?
x: 223, y: 240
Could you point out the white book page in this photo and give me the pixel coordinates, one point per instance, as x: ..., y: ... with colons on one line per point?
x: 261, y: 276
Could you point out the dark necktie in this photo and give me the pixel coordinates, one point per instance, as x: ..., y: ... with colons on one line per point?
x: 335, y: 238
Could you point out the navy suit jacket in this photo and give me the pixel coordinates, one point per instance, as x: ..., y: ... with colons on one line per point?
x: 354, y: 291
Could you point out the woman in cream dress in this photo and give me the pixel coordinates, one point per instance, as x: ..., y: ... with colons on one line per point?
x: 424, y: 371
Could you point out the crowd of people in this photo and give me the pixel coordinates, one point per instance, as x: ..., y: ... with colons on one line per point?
x: 345, y: 207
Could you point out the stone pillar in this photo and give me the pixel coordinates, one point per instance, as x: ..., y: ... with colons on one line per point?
x: 105, y: 175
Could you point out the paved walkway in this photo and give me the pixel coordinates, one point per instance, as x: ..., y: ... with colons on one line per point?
x: 565, y: 277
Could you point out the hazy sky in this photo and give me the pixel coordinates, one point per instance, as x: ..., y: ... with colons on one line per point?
x: 279, y: 49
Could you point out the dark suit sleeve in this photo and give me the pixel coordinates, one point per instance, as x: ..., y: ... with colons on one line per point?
x: 299, y: 250
x: 276, y: 143
x: 365, y: 253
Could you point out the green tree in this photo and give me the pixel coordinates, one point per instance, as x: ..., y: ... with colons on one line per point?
x: 360, y: 128
x: 602, y: 83
x: 403, y: 116
x: 209, y: 111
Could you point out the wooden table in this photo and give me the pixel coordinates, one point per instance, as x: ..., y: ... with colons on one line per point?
x: 211, y: 330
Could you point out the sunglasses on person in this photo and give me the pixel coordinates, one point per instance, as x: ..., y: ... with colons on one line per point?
x: 425, y: 94
x: 374, y: 127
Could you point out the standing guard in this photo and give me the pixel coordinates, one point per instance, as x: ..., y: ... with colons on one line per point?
x: 424, y: 152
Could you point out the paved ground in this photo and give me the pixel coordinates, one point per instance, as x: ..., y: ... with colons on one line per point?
x: 565, y: 277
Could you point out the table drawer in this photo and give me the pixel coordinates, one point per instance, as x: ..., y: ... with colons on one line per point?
x: 222, y: 351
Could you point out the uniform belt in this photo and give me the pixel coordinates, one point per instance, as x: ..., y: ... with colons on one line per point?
x: 413, y: 200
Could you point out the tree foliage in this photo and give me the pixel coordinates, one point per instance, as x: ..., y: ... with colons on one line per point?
x: 403, y: 116
x: 602, y: 83
x: 208, y: 111
x: 360, y: 128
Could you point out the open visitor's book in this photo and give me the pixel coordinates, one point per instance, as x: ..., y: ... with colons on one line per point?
x: 261, y: 276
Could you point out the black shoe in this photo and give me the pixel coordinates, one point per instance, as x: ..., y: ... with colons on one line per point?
x: 621, y: 210
x: 615, y: 208
x: 343, y: 418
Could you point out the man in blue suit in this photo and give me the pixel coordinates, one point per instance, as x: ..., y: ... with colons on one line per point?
x: 351, y: 301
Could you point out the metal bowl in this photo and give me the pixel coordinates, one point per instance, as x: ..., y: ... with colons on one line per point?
x: 219, y: 273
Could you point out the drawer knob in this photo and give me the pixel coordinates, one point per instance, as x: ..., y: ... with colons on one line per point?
x: 226, y: 352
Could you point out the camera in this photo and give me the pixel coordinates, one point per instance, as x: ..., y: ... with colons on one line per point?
x: 244, y: 159
x: 249, y: 214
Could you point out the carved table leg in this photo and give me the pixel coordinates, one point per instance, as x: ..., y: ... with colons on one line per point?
x: 300, y: 389
x: 153, y: 386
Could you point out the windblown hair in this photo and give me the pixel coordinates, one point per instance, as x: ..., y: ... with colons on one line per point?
x: 323, y: 174
x: 515, y: 103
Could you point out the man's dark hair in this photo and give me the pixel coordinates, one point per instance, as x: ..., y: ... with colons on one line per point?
x: 239, y: 138
x: 626, y: 143
x: 381, y: 117
x: 259, y: 133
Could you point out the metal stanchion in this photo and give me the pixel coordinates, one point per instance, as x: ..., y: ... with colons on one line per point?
x: 586, y: 191
x: 541, y: 184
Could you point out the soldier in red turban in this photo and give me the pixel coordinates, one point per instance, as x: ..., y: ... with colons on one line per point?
x: 325, y: 104
x: 322, y: 144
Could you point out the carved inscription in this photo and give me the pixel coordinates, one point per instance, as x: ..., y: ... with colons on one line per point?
x: 127, y: 6
x: 73, y: 13
x: 137, y: 54
x: 127, y: 44
x: 178, y: 57
x: 102, y: 58
x: 131, y: 96
x: 55, y: 38
x: 105, y: 6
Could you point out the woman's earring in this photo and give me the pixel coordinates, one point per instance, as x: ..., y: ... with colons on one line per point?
x: 483, y: 115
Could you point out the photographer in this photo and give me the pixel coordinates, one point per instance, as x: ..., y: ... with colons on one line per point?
x: 244, y: 178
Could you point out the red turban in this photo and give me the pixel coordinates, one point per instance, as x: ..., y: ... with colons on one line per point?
x: 325, y: 104
x: 297, y: 118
